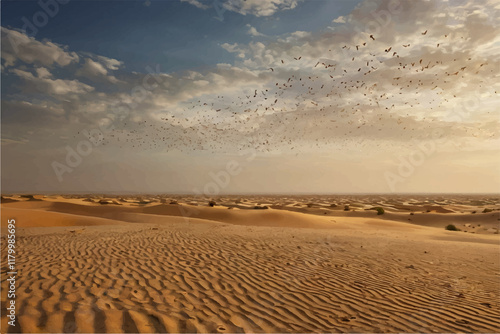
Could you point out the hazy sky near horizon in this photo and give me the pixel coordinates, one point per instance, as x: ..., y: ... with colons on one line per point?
x: 234, y: 96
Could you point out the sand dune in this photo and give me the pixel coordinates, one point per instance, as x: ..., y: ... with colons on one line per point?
x: 40, y: 218
x: 478, y: 222
x: 249, y: 217
x: 148, y: 268
x: 276, y: 218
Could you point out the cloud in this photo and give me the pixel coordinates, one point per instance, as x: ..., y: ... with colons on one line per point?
x: 111, y: 64
x: 248, y: 7
x: 17, y: 46
x: 259, y: 7
x: 97, y: 70
x: 233, y: 48
x: 42, y: 83
x: 93, y: 68
x: 197, y: 4
x: 252, y: 31
x: 340, y: 19
x: 43, y: 73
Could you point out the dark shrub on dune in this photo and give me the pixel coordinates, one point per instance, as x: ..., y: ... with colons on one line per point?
x: 380, y: 210
x: 212, y: 203
x: 346, y: 208
x: 30, y: 198
x: 109, y: 201
x: 451, y: 227
x: 258, y: 207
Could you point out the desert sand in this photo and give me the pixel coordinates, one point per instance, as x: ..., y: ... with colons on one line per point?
x: 254, y: 264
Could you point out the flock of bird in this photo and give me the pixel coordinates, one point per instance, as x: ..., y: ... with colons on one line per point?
x: 374, y: 95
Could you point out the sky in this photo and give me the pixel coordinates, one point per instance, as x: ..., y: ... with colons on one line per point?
x: 217, y: 97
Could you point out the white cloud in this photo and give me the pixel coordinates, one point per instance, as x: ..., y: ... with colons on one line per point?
x: 43, y: 73
x: 93, y: 68
x: 196, y: 3
x: 43, y: 84
x: 248, y: 7
x: 96, y: 70
x: 233, y: 48
x: 252, y: 31
x: 340, y: 19
x: 16, y: 46
x: 259, y: 7
x: 111, y: 64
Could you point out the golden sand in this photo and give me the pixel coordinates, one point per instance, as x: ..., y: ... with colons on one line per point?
x: 299, y: 266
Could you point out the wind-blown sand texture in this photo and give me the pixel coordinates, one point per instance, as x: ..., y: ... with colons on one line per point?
x: 303, y: 265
